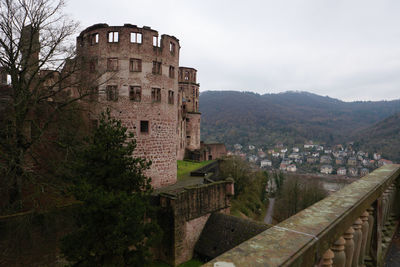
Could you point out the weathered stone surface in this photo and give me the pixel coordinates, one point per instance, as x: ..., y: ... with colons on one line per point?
x: 183, y: 214
x: 301, y: 239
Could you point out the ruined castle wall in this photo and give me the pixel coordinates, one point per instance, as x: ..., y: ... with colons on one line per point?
x: 188, y: 212
x: 181, y: 127
x: 111, y: 57
x: 189, y: 88
x: 193, y: 131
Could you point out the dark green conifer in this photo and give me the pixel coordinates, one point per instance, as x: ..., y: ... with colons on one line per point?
x: 114, y: 225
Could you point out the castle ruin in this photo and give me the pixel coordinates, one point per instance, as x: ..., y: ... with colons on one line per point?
x: 138, y: 76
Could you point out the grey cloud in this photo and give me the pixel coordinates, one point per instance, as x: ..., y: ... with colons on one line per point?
x: 345, y: 49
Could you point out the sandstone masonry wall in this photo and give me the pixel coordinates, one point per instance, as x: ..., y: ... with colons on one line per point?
x: 120, y: 58
x: 188, y: 211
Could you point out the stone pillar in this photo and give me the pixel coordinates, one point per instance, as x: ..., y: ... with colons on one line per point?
x: 349, y: 246
x: 364, y: 229
x: 327, y: 259
x: 339, y: 259
x: 357, y: 242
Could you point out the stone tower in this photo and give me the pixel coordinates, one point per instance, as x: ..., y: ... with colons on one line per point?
x: 189, y: 134
x: 136, y: 72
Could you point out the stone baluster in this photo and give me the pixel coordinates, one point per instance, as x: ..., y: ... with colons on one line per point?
x: 389, y: 204
x: 364, y: 229
x: 371, y: 221
x: 387, y: 210
x: 327, y: 259
x: 349, y: 246
x: 357, y: 241
x: 396, y: 198
x: 392, y: 204
x: 339, y: 259
x: 384, y: 206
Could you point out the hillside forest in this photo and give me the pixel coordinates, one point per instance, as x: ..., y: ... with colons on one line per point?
x: 295, y: 117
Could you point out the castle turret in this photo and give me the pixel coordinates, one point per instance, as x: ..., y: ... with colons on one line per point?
x: 189, y: 91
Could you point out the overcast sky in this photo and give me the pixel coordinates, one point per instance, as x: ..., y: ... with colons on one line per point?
x: 346, y: 49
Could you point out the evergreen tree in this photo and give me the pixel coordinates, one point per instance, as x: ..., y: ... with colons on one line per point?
x: 114, y: 225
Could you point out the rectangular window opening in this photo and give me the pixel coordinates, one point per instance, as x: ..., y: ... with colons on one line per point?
x: 171, y: 97
x: 156, y: 67
x: 136, y: 37
x: 135, y: 65
x: 172, y: 47
x: 144, y: 126
x: 155, y: 94
x: 112, y: 93
x: 112, y: 64
x: 156, y: 41
x: 94, y: 39
x: 171, y: 71
x: 113, y: 37
x: 135, y: 93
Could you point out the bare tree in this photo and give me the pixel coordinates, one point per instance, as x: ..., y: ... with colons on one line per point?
x: 37, y: 72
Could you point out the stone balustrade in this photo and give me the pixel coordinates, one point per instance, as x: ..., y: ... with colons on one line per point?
x: 351, y: 228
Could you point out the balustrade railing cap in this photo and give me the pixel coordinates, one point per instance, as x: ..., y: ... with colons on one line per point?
x: 304, y: 237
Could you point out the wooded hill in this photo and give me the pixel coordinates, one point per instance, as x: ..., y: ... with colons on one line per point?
x: 291, y: 117
x: 383, y: 137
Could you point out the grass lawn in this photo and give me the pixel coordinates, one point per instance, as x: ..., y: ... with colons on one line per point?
x: 185, y: 167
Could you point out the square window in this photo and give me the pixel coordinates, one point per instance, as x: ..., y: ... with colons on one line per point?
x: 135, y: 64
x: 144, y: 126
x: 112, y: 92
x: 135, y: 93
x: 136, y: 37
x: 113, y: 37
x: 112, y: 64
x: 155, y: 94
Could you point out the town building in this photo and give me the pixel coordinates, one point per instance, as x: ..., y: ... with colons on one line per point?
x: 265, y: 163
x: 353, y: 171
x: 312, y: 160
x: 326, y: 169
x: 291, y: 168
x: 341, y: 171
x: 363, y: 172
x: 326, y: 159
x: 339, y: 161
x: 352, y: 161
